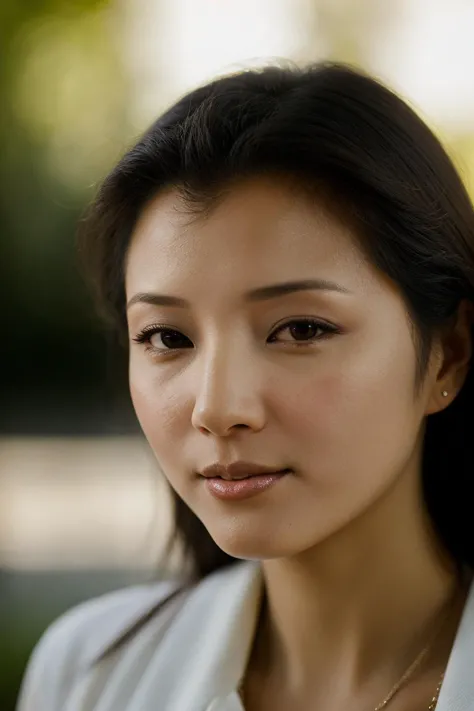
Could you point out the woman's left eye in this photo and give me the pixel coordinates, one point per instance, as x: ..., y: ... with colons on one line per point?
x: 303, y: 331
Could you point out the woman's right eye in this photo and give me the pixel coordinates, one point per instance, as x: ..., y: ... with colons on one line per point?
x: 161, y: 339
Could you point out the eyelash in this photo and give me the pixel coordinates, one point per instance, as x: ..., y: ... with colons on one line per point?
x: 145, y: 335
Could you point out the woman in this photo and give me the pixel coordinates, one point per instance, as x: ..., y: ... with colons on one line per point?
x: 291, y: 253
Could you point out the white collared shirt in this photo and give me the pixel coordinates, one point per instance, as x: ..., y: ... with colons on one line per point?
x: 181, y: 650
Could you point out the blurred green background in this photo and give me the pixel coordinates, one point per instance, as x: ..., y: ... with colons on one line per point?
x: 82, y: 508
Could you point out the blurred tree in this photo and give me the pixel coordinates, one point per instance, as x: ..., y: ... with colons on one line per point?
x: 63, y: 121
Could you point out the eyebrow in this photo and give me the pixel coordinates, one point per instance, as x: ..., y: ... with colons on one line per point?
x: 263, y: 293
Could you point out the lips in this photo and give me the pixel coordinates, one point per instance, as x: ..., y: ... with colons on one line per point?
x: 245, y: 487
x: 239, y: 470
x: 251, y: 476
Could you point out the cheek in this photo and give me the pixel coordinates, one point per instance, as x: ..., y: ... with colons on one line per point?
x: 358, y: 416
x: 158, y: 409
x: 319, y: 407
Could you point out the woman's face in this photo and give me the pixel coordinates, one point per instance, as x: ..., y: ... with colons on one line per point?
x: 317, y: 380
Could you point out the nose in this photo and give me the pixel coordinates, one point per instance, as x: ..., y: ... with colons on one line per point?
x: 229, y: 394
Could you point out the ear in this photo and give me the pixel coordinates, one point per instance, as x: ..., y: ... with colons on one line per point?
x: 451, y: 358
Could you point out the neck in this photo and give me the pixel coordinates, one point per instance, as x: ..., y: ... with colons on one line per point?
x: 368, y: 598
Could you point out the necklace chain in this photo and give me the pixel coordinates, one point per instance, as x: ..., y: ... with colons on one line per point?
x: 431, y: 707
x: 435, y: 697
x: 419, y: 659
x: 411, y: 669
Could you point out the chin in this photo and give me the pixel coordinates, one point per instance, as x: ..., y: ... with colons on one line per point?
x: 248, y: 544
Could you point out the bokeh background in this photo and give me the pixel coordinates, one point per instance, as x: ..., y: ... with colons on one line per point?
x: 83, y: 508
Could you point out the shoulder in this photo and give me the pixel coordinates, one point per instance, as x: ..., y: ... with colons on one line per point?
x: 81, y: 634
x: 79, y: 641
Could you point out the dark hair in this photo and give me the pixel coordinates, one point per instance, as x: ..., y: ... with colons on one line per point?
x: 331, y: 126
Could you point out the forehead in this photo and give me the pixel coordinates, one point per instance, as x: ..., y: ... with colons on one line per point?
x: 262, y: 230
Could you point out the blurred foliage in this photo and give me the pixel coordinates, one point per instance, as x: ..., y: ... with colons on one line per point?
x: 16, y: 642
x: 63, y: 122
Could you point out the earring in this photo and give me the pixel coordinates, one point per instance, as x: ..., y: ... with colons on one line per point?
x: 444, y: 393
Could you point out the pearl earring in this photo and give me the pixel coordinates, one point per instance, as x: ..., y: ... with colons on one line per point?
x: 444, y: 393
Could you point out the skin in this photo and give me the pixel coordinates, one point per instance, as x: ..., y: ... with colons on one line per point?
x: 346, y: 546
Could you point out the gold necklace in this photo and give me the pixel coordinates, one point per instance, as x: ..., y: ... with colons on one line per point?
x: 431, y: 707
x: 436, y: 696
x: 411, y: 669
x: 414, y: 666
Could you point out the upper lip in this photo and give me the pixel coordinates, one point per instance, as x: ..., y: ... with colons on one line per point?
x: 236, y: 470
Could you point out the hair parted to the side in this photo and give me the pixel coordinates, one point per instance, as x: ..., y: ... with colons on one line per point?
x: 331, y: 126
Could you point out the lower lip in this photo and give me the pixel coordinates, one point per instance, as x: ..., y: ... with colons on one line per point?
x: 243, y: 488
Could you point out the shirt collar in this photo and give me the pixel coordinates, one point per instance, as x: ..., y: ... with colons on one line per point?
x: 457, y: 690
x: 214, y: 631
